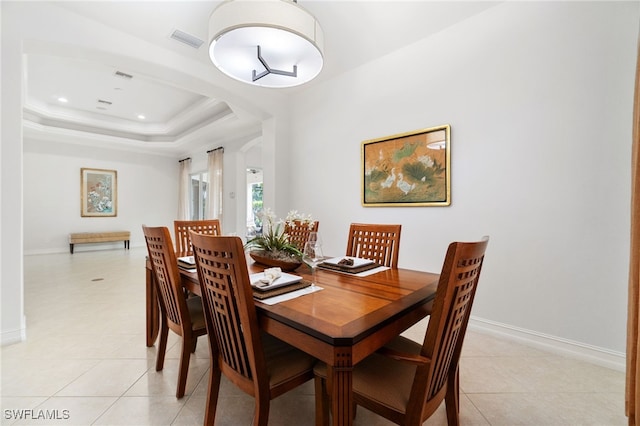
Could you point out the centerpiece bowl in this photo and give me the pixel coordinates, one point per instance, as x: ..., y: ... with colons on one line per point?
x: 285, y: 265
x: 273, y: 246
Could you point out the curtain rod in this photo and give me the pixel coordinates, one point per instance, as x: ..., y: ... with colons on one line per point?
x: 215, y: 149
x: 184, y: 159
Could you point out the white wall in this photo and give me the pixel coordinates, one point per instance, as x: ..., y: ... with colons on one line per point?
x: 12, y: 320
x: 147, y: 194
x: 539, y: 98
x: 48, y: 28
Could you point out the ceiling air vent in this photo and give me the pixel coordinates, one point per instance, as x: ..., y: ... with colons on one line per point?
x: 102, y: 101
x: 187, y: 39
x: 123, y: 75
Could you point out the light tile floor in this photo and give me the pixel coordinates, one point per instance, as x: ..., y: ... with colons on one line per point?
x: 86, y: 363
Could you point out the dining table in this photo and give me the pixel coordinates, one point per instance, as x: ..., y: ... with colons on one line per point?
x: 347, y: 318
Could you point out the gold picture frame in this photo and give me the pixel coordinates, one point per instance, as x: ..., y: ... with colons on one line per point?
x: 408, y: 169
x: 98, y: 193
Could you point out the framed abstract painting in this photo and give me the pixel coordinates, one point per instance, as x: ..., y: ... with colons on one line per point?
x: 98, y: 192
x: 408, y: 169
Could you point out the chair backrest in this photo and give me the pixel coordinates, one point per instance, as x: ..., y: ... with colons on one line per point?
x: 299, y: 231
x: 229, y: 310
x: 167, y: 276
x: 448, y: 320
x: 377, y: 242
x: 182, y: 228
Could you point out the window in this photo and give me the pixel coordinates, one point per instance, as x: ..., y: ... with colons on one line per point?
x: 199, y: 190
x: 254, y: 201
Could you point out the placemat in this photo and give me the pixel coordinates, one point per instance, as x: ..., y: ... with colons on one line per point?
x: 261, y: 294
x: 348, y: 270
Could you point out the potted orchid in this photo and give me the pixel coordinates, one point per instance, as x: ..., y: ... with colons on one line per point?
x: 273, y: 247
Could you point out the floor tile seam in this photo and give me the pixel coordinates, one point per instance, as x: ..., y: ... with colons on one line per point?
x: 188, y: 398
x: 146, y: 372
x: 477, y: 409
x: 106, y: 410
x: 96, y: 365
x: 116, y: 398
x: 69, y: 382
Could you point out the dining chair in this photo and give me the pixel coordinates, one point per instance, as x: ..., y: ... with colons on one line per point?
x: 299, y: 231
x: 257, y: 363
x: 406, y: 382
x: 377, y: 242
x: 181, y: 315
x: 182, y: 228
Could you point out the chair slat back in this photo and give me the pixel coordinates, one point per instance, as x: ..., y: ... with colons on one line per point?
x: 229, y: 308
x: 165, y: 270
x: 182, y: 228
x: 377, y: 242
x: 299, y: 231
x: 451, y: 311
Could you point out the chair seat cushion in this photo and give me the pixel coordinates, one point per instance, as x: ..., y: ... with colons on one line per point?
x: 194, y: 305
x: 381, y: 379
x: 284, y: 361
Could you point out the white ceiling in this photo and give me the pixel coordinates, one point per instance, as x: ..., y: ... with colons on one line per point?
x: 356, y: 32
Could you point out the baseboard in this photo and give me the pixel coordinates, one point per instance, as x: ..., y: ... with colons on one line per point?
x: 13, y: 336
x: 593, y: 354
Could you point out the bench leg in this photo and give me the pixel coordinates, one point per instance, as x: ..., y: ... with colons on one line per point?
x: 71, y: 248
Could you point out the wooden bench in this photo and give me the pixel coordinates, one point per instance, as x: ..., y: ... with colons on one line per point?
x: 98, y: 237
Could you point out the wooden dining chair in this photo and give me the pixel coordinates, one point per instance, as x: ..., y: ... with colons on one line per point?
x: 181, y: 315
x: 299, y: 231
x: 406, y: 382
x: 257, y: 363
x: 182, y: 228
x: 377, y: 242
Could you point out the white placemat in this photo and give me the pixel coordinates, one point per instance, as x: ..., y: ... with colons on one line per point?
x: 371, y: 271
x: 292, y: 295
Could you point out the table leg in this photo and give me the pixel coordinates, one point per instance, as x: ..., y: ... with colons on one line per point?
x: 152, y: 309
x: 340, y: 385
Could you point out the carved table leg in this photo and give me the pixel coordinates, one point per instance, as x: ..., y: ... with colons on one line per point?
x: 340, y: 383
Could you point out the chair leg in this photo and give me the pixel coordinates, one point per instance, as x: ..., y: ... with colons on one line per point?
x: 322, y: 402
x: 261, y: 415
x: 212, y: 395
x: 193, y: 345
x: 183, y: 370
x: 452, y: 399
x: 162, y: 345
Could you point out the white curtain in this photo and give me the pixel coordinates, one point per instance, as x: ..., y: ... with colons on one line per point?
x: 214, y: 206
x: 184, y: 212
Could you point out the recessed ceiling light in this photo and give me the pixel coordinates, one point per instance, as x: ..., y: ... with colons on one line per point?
x: 141, y: 117
x: 63, y: 100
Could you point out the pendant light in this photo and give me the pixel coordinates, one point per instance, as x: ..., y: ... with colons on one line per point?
x: 269, y: 43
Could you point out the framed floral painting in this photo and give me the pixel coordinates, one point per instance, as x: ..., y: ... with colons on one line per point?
x: 98, y: 192
x: 408, y: 169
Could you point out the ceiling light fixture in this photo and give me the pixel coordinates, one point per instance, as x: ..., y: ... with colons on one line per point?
x: 269, y: 43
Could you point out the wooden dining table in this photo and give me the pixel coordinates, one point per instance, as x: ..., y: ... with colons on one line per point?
x: 349, y: 319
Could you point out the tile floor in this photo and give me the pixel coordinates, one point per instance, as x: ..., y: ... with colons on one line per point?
x: 86, y: 363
